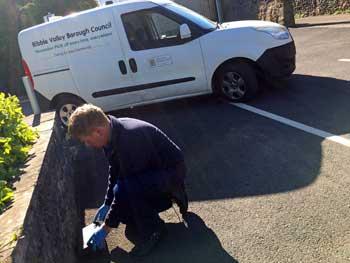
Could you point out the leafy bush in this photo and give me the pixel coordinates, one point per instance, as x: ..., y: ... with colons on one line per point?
x: 6, y: 194
x: 15, y: 139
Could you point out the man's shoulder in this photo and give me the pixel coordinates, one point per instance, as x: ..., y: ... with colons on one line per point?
x: 133, y: 124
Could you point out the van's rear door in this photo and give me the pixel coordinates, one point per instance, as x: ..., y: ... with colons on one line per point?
x: 97, y: 60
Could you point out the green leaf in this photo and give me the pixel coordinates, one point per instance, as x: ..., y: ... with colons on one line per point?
x: 16, y: 138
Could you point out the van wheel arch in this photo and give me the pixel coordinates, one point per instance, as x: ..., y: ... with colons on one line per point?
x: 60, y: 100
x: 61, y: 96
x: 248, y: 63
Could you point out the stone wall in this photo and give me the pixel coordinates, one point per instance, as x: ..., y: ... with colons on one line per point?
x: 52, y: 226
x: 50, y: 199
x: 280, y: 11
x: 204, y: 7
x: 320, y: 7
x: 277, y: 11
x: 240, y: 9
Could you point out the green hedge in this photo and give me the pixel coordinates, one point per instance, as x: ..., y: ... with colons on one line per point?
x: 16, y: 138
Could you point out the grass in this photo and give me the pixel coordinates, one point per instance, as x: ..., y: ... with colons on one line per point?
x: 298, y: 16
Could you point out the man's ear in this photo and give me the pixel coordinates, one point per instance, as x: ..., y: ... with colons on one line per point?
x: 100, y: 130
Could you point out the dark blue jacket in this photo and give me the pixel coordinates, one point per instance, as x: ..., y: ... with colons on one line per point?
x: 135, y: 148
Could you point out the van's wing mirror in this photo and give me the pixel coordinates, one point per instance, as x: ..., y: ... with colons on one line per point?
x: 185, y: 31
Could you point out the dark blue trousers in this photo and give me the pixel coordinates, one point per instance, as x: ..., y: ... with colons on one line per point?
x: 141, y: 198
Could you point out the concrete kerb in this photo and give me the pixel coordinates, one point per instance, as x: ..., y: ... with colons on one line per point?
x: 342, y: 20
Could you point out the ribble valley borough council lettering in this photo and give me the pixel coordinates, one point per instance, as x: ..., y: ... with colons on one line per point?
x: 71, y: 35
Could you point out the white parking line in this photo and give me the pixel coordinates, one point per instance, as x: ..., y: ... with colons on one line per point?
x: 344, y: 60
x: 297, y: 125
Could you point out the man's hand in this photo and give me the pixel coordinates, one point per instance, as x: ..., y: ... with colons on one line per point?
x: 101, y: 213
x: 97, y: 240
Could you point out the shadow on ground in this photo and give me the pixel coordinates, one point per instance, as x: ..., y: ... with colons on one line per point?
x: 320, y: 102
x: 232, y: 153
x: 229, y: 152
x: 197, y: 243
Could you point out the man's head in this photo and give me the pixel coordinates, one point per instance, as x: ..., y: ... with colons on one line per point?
x: 89, y: 125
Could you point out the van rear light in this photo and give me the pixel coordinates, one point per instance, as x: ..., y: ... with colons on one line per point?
x: 27, y: 72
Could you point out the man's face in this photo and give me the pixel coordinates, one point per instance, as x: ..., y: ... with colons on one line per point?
x: 96, y: 139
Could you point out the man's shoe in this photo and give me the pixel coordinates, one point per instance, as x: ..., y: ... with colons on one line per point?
x: 180, y: 198
x: 144, y: 248
x: 131, y: 233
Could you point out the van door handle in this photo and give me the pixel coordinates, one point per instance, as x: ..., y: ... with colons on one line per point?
x: 122, y: 67
x: 133, y: 65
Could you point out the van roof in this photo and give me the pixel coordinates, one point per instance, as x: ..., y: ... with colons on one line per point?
x: 120, y: 3
x: 159, y: 2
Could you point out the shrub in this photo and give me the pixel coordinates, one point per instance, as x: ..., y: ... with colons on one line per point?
x: 16, y: 138
x: 6, y: 194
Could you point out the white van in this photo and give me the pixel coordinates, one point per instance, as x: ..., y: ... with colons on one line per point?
x: 139, y: 52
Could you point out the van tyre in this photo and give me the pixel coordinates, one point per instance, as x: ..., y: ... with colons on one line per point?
x: 65, y: 107
x: 237, y: 82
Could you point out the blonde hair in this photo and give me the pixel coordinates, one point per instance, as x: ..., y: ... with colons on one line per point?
x: 84, y: 119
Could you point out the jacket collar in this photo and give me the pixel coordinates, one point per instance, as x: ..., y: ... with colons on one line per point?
x: 113, y: 136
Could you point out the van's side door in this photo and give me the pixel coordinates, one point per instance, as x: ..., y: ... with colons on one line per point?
x: 97, y: 60
x: 163, y: 65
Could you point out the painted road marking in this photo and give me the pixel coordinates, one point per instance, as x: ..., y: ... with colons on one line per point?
x: 326, y: 135
x: 344, y: 60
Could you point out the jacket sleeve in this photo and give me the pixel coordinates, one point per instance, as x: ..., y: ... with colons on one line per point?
x: 112, y: 180
x: 111, y: 218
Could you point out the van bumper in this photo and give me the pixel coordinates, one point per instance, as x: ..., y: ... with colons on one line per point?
x: 44, y: 103
x: 278, y: 62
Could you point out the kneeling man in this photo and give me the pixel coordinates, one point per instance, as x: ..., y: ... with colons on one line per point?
x: 146, y: 174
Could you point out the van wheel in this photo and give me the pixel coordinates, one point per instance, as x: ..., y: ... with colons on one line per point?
x: 237, y: 82
x: 66, y: 105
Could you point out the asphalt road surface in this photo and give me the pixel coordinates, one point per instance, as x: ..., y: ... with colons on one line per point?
x: 269, y: 182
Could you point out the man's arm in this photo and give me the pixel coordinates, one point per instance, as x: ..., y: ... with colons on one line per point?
x: 110, y: 220
x: 112, y: 180
x: 110, y: 200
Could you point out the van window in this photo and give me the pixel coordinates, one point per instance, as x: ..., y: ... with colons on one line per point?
x: 165, y: 27
x: 151, y: 29
x: 196, y: 18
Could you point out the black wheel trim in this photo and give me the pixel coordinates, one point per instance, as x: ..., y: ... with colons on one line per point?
x: 235, y: 87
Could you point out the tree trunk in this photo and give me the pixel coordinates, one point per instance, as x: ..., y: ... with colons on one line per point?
x: 13, y: 55
x: 288, y: 13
